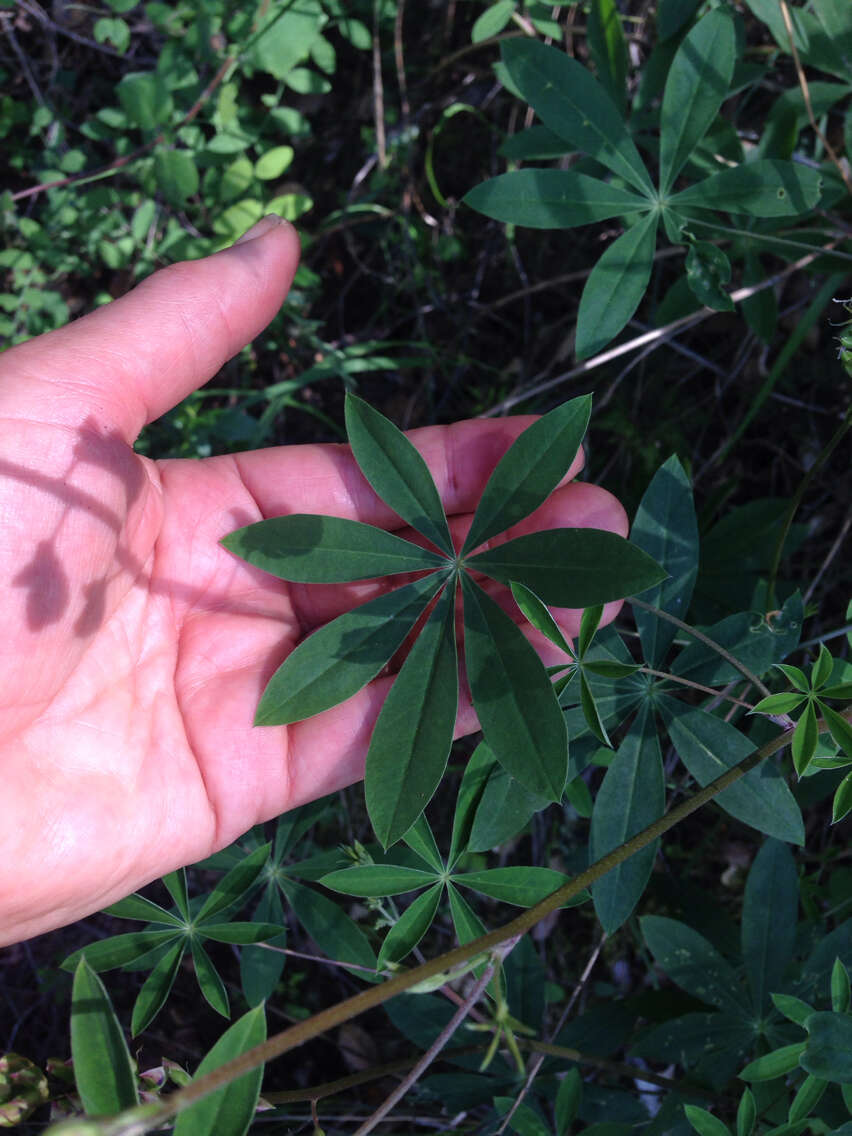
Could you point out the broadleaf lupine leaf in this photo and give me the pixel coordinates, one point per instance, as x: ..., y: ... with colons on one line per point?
x: 338, y: 660
x: 529, y: 471
x: 396, y: 471
x: 551, y: 199
x: 513, y: 697
x: 414, y: 732
x: 571, y: 567
x: 306, y: 548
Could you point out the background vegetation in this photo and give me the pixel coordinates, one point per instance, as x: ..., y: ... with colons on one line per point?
x: 135, y: 135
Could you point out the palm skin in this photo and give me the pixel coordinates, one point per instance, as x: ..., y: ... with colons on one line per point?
x: 134, y: 647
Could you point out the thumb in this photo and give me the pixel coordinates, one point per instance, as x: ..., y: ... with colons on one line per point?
x: 132, y: 360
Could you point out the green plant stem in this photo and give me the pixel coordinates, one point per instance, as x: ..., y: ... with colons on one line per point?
x: 796, y: 501
x: 335, y: 1016
x: 694, y: 686
x: 707, y: 641
x: 803, y: 326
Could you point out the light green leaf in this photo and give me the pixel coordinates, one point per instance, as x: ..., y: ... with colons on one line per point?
x: 274, y: 162
x: 708, y: 746
x: 765, y: 188
x: 412, y: 737
x: 155, y: 989
x: 591, y: 713
x: 539, y: 617
x: 467, y: 923
x: 615, y: 286
x: 285, y: 39
x: 805, y: 738
x: 842, y: 804
x: 234, y: 885
x: 828, y: 1050
x: 665, y: 526
x: 746, y: 1113
x: 340, y: 658
x: 704, y: 1122
x: 770, y: 910
x: 517, y: 708
x: 808, y: 1096
x: 775, y: 1064
x: 310, y: 549
x: 608, y: 49
x: 792, y: 1008
x: 396, y: 471
x: 146, y: 99
x: 568, y: 1098
x: 177, y: 175
x: 377, y: 880
x: 841, y: 993
x: 411, y: 926
x: 212, y: 986
x: 230, y: 1110
x: 493, y: 20
x: 571, y: 103
x: 530, y: 469
x: 103, y: 1069
x: 522, y: 887
x: 778, y: 704
x: 697, y: 84
x: 551, y: 199
x: 571, y: 567
x: 632, y: 796
x: 421, y: 839
x: 838, y: 727
x: 693, y: 963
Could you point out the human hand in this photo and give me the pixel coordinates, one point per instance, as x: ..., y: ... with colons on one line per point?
x: 135, y: 648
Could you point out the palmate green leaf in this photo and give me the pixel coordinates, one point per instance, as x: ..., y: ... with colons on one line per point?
x: 551, y: 199
x: 473, y: 783
x: 155, y: 989
x: 421, y: 839
x: 414, y: 732
x: 529, y: 471
x: 693, y: 963
x: 230, y: 1110
x: 828, y: 1050
x: 571, y: 103
x: 615, y: 286
x: 336, y: 935
x: 697, y: 84
x: 261, y: 969
x: 805, y: 738
x: 768, y: 928
x: 665, y: 526
x: 103, y: 1070
x: 608, y: 49
x: 396, y: 471
x: 632, y: 796
x: 240, y: 933
x: 539, y: 617
x: 708, y: 270
x: 522, y: 887
x: 411, y: 926
x: 339, y: 659
x: 212, y: 986
x: 176, y: 886
x: 838, y: 727
x: 842, y: 804
x: 119, y: 950
x: 590, y: 621
x: 504, y: 808
x: 571, y: 567
x: 775, y: 1064
x: 306, y: 548
x: 377, y: 880
x: 704, y: 1122
x: 841, y: 988
x: 708, y: 746
x: 591, y: 713
x: 138, y: 907
x: 765, y: 188
x: 234, y: 884
x: 467, y: 924
x: 514, y: 700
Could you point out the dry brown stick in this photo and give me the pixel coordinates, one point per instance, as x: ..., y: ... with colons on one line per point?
x: 806, y: 95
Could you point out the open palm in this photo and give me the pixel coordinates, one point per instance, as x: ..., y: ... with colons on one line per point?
x: 134, y: 648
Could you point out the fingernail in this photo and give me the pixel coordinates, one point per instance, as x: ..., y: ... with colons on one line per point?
x: 261, y: 228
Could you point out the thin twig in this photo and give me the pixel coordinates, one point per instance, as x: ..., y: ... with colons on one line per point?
x: 378, y: 91
x: 658, y: 334
x: 806, y: 95
x: 440, y: 1041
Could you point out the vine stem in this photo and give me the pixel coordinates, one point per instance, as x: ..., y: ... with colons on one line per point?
x: 139, y: 1121
x: 702, y: 638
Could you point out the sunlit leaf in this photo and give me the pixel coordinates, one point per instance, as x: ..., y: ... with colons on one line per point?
x: 103, y: 1070
x: 551, y: 199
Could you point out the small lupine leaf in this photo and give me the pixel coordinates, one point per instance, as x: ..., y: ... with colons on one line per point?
x: 103, y: 1069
